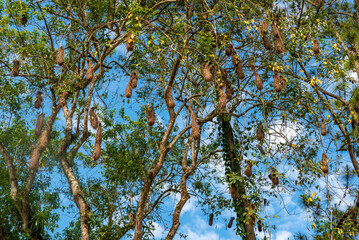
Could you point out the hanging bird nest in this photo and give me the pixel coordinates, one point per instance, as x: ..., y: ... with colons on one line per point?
x: 196, y: 134
x: 323, y: 128
x: 228, y: 50
x: 130, y: 43
x: 258, y: 81
x: 90, y: 70
x: 206, y: 72
x: 210, y: 222
x: 93, y: 118
x: 230, y: 223
x: 233, y: 191
x: 260, y: 148
x: 324, y: 163
x: 274, y: 176
x: 229, y: 91
x: 16, y: 68
x: 151, y: 117
x: 266, y: 42
x: 260, y: 227
x: 97, y: 148
x: 169, y: 98
x: 237, y: 63
x: 24, y: 18
x: 260, y: 133
x: 278, y: 45
x: 39, y: 124
x: 60, y: 59
x: 128, y: 92
x: 38, y: 100
x: 134, y: 78
x: 248, y: 168
x: 279, y: 83
x: 316, y: 48
x: 264, y: 27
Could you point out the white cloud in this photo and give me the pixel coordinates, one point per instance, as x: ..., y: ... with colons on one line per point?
x: 283, y: 235
x: 159, y: 231
x: 202, y: 236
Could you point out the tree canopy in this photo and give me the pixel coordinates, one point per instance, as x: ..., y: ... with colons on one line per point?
x: 111, y: 109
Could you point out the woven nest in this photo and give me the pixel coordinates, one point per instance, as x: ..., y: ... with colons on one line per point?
x: 323, y: 128
x: 263, y: 27
x: 279, y: 83
x: 63, y: 98
x: 206, y: 72
x: 278, y: 45
x: 169, y: 98
x: 97, y: 148
x: 229, y: 50
x: 222, y: 100
x: 196, y: 134
x: 93, y: 118
x: 248, y: 169
x: 230, y: 223
x: 128, y: 92
x: 266, y: 42
x: 233, y: 191
x: 60, y: 58
x: 274, y: 176
x: 260, y: 133
x: 260, y: 148
x: 316, y: 48
x: 275, y: 29
x: 210, y: 222
x: 130, y: 43
x: 324, y: 163
x: 258, y: 81
x: 134, y: 78
x: 38, y: 100
x: 16, y: 68
x: 90, y: 70
x: 150, y: 115
x: 39, y: 124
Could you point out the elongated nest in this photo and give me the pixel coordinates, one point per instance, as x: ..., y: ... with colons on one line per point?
x: 258, y: 81
x: 260, y: 133
x: 60, y: 58
x: 16, y: 68
x: 278, y: 45
x: 169, y: 98
x: 150, y: 115
x: 130, y: 43
x: 324, y: 163
x: 248, y: 169
x: 260, y: 148
x: 233, y: 191
x: 128, y: 92
x: 266, y: 42
x: 39, y: 124
x: 196, y: 134
x: 263, y: 27
x: 90, y: 70
x: 38, y: 100
x: 316, y: 48
x: 134, y: 78
x: 206, y: 72
x: 93, y: 118
x: 230, y: 223
x: 97, y: 148
x: 323, y: 128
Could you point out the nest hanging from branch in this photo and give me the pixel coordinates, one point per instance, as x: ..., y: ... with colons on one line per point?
x: 210, y: 222
x: 134, y: 78
x: 260, y: 148
x: 206, y: 72
x: 229, y: 91
x: 97, y: 148
x: 323, y: 128
x: 16, y: 68
x: 237, y: 63
x: 230, y: 223
x: 60, y: 58
x: 324, y: 163
x: 169, y: 98
x: 279, y: 83
x: 38, y: 100
x: 130, y: 43
x: 264, y: 27
x: 93, y: 118
x: 248, y: 168
x: 128, y: 92
x: 260, y: 227
x: 278, y: 45
x: 39, y: 124
x: 258, y: 81
x: 150, y: 115
x: 196, y: 134
x: 228, y: 50
x: 316, y: 48
x: 275, y: 29
x: 90, y: 70
x: 260, y: 133
x: 274, y: 176
x: 266, y: 42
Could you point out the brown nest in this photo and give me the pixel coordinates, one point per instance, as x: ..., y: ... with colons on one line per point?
x: 324, y: 163
x: 274, y: 176
x: 130, y: 44
x: 38, y: 100
x: 97, y: 148
x: 230, y: 223
x: 266, y: 42
x: 233, y: 191
x: 128, y: 92
x: 263, y: 27
x: 206, y: 72
x: 16, y: 68
x: 169, y: 98
x: 150, y: 115
x: 248, y: 169
x: 260, y: 133
x: 278, y: 45
x: 323, y: 128
x: 93, y: 118
x: 258, y: 81
x: 60, y: 59
x: 134, y: 78
x: 39, y: 124
x: 210, y: 219
x: 195, y: 127
x: 316, y: 48
x: 90, y: 70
